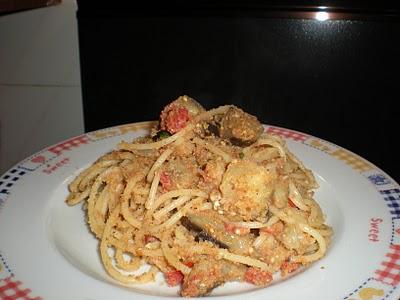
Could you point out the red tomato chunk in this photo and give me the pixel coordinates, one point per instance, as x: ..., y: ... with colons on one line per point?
x: 288, y: 267
x: 173, y: 278
x: 165, y: 181
x: 174, y: 118
x: 257, y: 276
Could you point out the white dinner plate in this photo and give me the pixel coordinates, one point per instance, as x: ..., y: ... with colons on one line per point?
x: 47, y: 251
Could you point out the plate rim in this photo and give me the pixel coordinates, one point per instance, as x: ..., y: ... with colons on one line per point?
x: 111, y: 132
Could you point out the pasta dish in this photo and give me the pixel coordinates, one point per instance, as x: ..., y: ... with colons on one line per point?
x: 206, y: 198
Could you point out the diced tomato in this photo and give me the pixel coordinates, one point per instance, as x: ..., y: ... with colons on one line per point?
x: 174, y: 118
x: 173, y: 278
x: 257, y: 276
x: 150, y: 239
x: 189, y: 264
x: 165, y: 181
x: 289, y: 267
x: 274, y: 229
x: 230, y: 228
x: 290, y: 203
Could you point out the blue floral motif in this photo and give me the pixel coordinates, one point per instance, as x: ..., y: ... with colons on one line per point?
x: 378, y: 179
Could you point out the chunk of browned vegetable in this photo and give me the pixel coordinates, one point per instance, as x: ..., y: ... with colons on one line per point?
x: 211, y: 223
x: 246, y: 190
x: 201, y: 235
x: 209, y: 273
x: 178, y: 113
x: 239, y: 127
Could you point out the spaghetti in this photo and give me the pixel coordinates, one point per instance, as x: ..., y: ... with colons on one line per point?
x: 216, y: 192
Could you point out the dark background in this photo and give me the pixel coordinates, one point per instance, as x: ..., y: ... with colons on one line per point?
x: 337, y: 79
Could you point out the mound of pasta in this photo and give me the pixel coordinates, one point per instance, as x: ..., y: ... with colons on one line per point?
x: 206, y: 198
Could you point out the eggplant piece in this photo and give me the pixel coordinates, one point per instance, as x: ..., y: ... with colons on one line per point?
x: 213, y: 129
x: 201, y: 235
x: 240, y: 143
x: 236, y: 126
x: 239, y: 127
x: 246, y: 188
x: 211, y: 223
x: 208, y: 273
x: 204, y: 236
